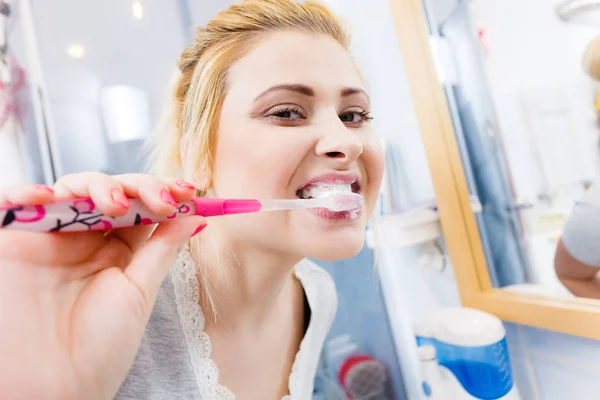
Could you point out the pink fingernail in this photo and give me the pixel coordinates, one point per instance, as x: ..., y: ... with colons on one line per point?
x: 184, y: 184
x: 119, y: 198
x: 45, y: 188
x: 198, y: 230
x: 168, y: 198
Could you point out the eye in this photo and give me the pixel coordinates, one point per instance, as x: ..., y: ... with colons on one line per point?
x: 355, y: 117
x: 287, y: 112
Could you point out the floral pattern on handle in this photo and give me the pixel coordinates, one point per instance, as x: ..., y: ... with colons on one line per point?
x: 80, y: 215
x: 25, y: 214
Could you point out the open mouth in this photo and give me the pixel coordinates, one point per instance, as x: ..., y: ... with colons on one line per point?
x: 316, y: 190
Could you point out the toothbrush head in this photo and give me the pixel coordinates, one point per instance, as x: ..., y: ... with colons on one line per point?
x: 339, y: 202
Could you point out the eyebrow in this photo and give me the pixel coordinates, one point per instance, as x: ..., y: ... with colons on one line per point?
x: 351, y: 91
x: 302, y: 89
x: 308, y: 91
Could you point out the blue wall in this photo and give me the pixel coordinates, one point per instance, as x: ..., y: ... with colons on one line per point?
x: 362, y: 313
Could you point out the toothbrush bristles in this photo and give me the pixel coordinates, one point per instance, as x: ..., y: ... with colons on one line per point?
x: 345, y: 202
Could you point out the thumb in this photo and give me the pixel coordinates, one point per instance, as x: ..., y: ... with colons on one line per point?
x: 151, y: 263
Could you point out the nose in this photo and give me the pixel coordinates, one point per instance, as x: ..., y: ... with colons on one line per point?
x: 340, y: 146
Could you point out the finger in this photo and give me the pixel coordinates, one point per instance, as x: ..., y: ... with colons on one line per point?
x: 36, y: 248
x: 108, y: 195
x: 151, y: 264
x: 27, y: 195
x: 181, y: 191
x: 107, y: 192
x: 155, y: 193
x: 135, y: 237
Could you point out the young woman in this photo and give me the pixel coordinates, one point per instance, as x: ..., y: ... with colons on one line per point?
x: 267, y: 104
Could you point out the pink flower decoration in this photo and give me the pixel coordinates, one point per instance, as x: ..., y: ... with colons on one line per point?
x: 30, y: 214
x: 102, y: 225
x: 84, y: 205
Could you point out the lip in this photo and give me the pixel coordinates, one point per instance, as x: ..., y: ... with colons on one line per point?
x: 325, y: 213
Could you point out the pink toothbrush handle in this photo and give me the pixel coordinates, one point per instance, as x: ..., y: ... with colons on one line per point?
x: 80, y: 215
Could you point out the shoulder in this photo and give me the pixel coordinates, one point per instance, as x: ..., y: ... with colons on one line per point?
x: 581, y: 235
x: 592, y: 196
x: 310, y: 270
x: 322, y: 299
x: 312, y: 275
x: 319, y: 288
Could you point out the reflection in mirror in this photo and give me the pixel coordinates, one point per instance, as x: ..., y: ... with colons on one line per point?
x: 525, y: 114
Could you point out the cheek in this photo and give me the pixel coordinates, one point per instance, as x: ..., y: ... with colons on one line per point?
x: 374, y: 164
x: 254, y: 165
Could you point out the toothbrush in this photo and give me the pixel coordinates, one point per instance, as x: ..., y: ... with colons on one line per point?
x: 79, y: 215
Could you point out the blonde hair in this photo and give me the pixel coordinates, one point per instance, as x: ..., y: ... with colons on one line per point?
x: 185, y: 137
x: 591, y: 59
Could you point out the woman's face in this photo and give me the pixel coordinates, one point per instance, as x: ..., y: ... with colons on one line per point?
x: 295, y: 122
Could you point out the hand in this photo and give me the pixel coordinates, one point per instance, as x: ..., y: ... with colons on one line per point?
x: 74, y: 306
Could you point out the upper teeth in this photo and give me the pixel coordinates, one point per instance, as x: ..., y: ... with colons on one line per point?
x: 324, y: 189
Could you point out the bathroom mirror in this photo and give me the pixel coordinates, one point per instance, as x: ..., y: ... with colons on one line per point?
x: 509, y: 119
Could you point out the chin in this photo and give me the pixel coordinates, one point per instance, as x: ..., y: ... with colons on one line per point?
x: 335, y: 247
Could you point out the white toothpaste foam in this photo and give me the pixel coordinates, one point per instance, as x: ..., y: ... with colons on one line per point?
x: 326, y: 189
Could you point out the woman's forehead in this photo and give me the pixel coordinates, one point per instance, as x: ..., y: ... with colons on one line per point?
x: 294, y: 57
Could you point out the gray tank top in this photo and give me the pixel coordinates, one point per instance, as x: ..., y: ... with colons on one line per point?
x: 164, y: 367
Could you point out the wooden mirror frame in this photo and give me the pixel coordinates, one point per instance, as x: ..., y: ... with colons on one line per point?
x: 577, y: 316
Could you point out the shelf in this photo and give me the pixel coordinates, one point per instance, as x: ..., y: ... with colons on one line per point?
x: 403, y: 230
x: 416, y: 226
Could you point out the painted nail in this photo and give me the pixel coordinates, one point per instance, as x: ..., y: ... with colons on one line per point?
x: 45, y: 188
x: 168, y: 198
x: 184, y: 184
x: 198, y: 230
x: 118, y: 197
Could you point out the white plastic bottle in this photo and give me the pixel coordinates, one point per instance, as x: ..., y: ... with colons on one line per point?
x: 434, y: 384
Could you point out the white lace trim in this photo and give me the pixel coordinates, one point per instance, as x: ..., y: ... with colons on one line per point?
x: 187, y: 297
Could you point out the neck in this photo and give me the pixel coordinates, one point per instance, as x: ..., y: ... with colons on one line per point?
x: 241, y: 285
